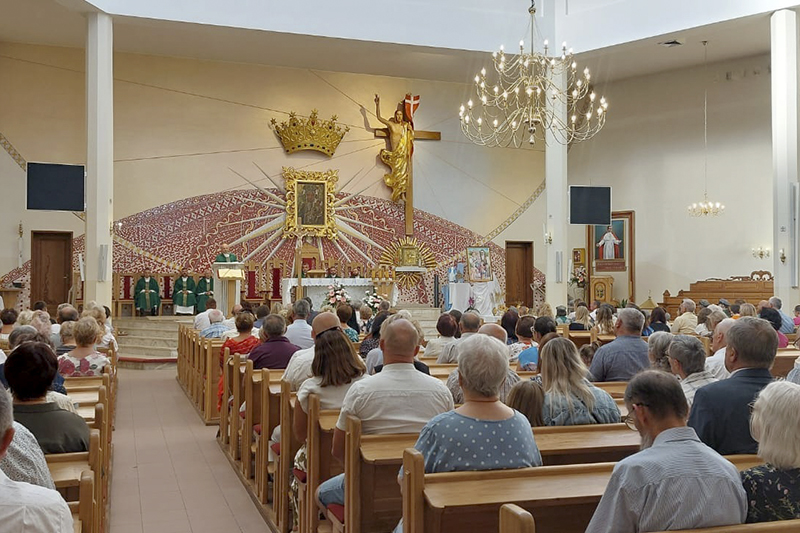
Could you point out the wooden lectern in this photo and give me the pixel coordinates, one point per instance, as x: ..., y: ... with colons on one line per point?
x: 228, y: 279
x: 602, y: 289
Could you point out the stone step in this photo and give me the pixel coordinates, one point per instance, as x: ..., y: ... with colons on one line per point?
x: 138, y: 350
x: 145, y: 333
x: 141, y: 340
x: 147, y: 363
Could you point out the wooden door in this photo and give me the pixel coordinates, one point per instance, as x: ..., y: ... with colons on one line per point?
x: 51, y: 268
x: 519, y: 273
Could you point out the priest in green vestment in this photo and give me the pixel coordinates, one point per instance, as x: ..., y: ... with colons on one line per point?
x: 183, y: 294
x: 226, y: 256
x: 146, y: 294
x: 204, y: 290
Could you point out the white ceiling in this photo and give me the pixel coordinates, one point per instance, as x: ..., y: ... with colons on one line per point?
x: 47, y: 22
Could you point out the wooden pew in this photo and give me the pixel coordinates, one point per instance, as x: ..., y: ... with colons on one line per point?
x: 783, y: 526
x: 784, y: 362
x: 320, y: 463
x: 288, y: 449
x: 515, y: 519
x: 615, y: 388
x: 579, y: 338
x: 372, y: 463
x: 562, y: 498
x: 83, y: 511
x: 67, y: 470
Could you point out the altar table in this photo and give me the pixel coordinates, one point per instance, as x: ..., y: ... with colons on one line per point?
x: 317, y: 289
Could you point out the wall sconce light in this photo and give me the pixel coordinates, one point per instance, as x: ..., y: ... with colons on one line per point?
x: 761, y: 253
x: 548, y: 237
x: 782, y: 256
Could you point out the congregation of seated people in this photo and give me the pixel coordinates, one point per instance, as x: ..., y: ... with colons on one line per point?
x: 37, y: 417
x: 689, y: 409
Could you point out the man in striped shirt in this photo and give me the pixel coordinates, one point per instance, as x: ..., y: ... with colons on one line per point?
x: 676, y: 481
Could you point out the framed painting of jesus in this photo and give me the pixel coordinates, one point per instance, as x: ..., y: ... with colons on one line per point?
x: 610, y: 250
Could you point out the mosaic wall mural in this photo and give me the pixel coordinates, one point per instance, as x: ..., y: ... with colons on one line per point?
x: 189, y: 233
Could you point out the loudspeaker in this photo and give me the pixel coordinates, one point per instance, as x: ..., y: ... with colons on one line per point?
x: 102, y: 262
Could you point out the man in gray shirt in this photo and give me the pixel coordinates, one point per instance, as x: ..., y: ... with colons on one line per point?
x: 676, y: 481
x: 620, y: 359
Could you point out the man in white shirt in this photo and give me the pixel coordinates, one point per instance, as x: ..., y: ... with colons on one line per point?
x: 686, y: 323
x: 399, y: 399
x: 719, y: 342
x: 26, y: 508
x: 201, y: 321
x: 230, y: 323
x: 299, y: 331
x: 676, y: 481
x: 687, y: 358
x: 299, y: 368
x: 470, y: 324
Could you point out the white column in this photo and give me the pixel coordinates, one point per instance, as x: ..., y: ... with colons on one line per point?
x: 556, y: 198
x: 784, y: 43
x: 99, y: 157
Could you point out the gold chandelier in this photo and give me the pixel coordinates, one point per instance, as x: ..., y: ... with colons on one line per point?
x: 518, y: 103
x: 706, y: 208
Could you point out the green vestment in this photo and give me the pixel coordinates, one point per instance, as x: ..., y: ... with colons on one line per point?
x: 204, y: 291
x: 222, y: 259
x: 179, y: 297
x: 146, y: 294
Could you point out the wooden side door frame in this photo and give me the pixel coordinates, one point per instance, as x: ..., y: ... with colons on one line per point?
x: 528, y: 268
x: 36, y: 236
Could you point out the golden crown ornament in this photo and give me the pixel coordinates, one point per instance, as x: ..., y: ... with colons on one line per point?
x: 310, y: 133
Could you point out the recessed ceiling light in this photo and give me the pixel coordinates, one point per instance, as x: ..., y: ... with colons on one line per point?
x: 672, y: 43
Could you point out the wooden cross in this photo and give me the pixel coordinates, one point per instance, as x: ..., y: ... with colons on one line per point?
x: 409, y: 203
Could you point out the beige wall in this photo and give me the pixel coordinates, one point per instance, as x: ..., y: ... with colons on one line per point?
x: 180, y: 125
x: 651, y: 154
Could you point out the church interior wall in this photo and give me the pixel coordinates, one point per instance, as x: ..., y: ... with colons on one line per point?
x: 185, y: 128
x: 651, y: 154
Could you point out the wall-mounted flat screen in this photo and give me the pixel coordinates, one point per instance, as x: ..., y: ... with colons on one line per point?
x: 589, y: 205
x: 53, y: 187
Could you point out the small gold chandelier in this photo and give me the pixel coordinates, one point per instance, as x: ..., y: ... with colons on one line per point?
x: 519, y: 106
x: 706, y: 208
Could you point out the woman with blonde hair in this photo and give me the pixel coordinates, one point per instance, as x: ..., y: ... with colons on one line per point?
x: 569, y: 398
x: 747, y: 310
x: 276, y: 308
x: 335, y: 367
x: 605, y: 320
x: 657, y: 347
x: 545, y: 310
x: 773, y: 489
x: 106, y: 339
x: 84, y: 360
x: 583, y: 321
x: 527, y: 397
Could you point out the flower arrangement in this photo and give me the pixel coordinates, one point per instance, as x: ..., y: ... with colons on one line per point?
x: 337, y: 294
x: 578, y: 276
x: 373, y: 300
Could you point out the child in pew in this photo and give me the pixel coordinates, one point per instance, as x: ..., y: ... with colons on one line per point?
x: 335, y: 368
x: 482, y: 434
x: 527, y: 397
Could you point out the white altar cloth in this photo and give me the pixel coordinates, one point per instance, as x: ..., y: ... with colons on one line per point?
x: 484, y: 295
x: 317, y: 289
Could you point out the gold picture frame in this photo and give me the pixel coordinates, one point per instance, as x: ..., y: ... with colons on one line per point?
x: 310, y: 203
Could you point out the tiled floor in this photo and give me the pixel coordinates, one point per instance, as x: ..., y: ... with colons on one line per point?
x: 169, y: 475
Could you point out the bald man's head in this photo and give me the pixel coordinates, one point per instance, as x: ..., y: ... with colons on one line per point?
x: 399, y: 341
x: 719, y: 339
x: 470, y: 322
x: 496, y: 331
x: 323, y: 322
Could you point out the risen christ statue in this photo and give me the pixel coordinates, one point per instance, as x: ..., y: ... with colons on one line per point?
x: 609, y: 244
x: 397, y: 157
